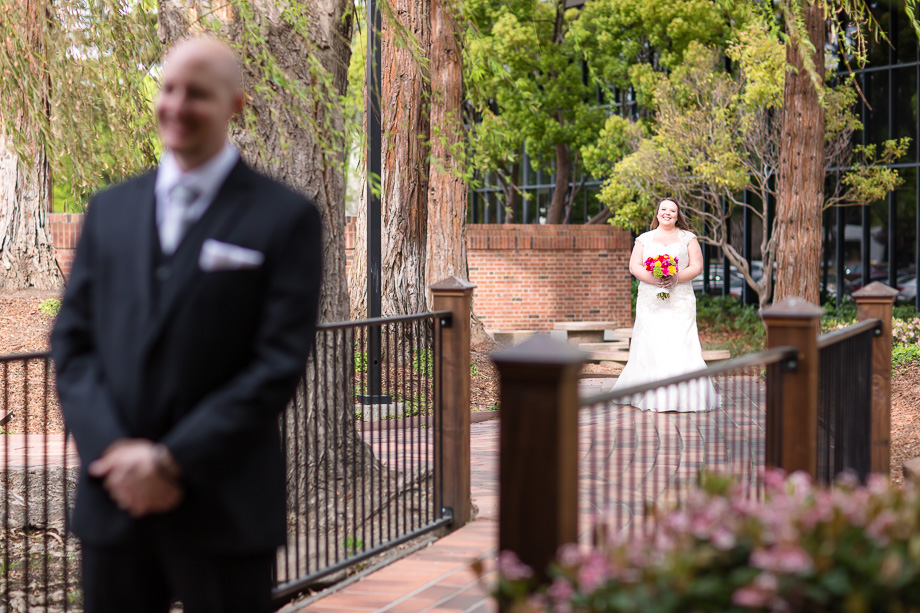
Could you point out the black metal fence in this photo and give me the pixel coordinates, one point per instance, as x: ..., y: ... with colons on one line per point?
x: 844, y: 394
x: 362, y: 469
x: 362, y: 474
x: 39, y: 561
x: 636, y: 462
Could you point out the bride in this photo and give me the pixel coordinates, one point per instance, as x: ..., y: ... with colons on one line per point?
x: 665, y: 342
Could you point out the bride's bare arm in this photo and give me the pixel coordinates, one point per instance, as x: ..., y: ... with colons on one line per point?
x: 637, y: 266
x: 692, y: 270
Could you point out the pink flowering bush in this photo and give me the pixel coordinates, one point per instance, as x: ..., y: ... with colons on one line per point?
x: 847, y: 548
x: 905, y: 331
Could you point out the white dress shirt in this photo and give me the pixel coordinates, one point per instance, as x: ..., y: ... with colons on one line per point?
x: 205, y: 180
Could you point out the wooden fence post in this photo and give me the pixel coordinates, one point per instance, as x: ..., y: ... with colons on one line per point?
x: 792, y: 434
x: 538, y: 474
x: 875, y: 301
x: 452, y: 387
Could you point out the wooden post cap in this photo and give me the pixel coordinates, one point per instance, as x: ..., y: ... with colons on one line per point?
x: 876, y: 290
x: 540, y: 349
x: 452, y: 284
x: 792, y: 308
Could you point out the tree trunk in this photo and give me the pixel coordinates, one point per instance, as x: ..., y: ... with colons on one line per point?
x: 447, y: 197
x: 404, y: 202
x: 556, y: 213
x: 801, y: 170
x: 275, y: 140
x: 512, y: 197
x: 26, y: 251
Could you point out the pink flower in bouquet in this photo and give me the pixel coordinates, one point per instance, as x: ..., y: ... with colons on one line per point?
x: 662, y: 266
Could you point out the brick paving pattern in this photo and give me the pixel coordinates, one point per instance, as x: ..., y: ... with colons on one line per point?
x: 629, y: 460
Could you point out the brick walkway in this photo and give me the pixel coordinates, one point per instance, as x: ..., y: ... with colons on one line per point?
x: 629, y: 459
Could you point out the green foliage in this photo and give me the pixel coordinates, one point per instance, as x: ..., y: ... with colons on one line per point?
x: 713, y: 135
x: 360, y: 361
x: 351, y: 545
x: 423, y: 362
x: 904, y: 355
x: 741, y: 322
x: 52, y: 306
x: 80, y: 85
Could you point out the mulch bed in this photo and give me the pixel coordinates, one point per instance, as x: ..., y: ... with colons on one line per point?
x: 905, y: 418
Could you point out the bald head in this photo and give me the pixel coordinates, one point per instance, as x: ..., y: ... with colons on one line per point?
x: 199, y: 95
x: 210, y: 54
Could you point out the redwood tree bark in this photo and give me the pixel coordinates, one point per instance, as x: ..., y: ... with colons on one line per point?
x: 801, y: 169
x: 405, y: 107
x: 406, y: 120
x: 26, y: 250
x: 447, y: 197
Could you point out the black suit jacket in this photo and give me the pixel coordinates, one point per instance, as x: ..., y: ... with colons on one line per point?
x: 203, y: 362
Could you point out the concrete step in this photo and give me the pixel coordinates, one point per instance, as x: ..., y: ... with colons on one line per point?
x: 617, y: 345
x: 716, y: 355
x: 584, y: 326
x: 509, y: 337
x: 710, y: 356
x: 617, y: 334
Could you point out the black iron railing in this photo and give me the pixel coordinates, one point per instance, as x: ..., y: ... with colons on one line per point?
x: 39, y: 560
x: 362, y: 476
x: 844, y: 400
x: 362, y: 467
x: 635, y: 463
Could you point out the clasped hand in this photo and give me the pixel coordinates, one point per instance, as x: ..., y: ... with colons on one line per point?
x: 131, y: 475
x: 669, y: 281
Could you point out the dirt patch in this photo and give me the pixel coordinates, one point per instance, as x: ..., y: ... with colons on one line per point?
x: 905, y: 418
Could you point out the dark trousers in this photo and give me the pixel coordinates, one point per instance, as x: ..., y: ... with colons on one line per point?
x: 147, y: 579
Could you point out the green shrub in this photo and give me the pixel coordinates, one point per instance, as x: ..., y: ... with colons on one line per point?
x: 52, y: 306
x: 848, y: 549
x: 730, y: 314
x: 360, y: 361
x: 903, y: 355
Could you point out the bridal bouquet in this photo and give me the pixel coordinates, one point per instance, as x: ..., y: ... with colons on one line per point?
x: 662, y: 266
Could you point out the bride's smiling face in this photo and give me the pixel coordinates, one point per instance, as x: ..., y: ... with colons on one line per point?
x: 667, y: 215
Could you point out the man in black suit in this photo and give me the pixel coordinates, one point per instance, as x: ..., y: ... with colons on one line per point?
x: 188, y: 318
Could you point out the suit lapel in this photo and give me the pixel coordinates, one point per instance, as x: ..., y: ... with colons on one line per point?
x: 220, y: 216
x: 144, y: 233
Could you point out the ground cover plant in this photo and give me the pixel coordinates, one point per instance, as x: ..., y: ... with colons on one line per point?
x: 847, y: 548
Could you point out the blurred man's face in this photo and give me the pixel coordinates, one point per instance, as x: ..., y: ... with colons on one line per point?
x: 197, y: 99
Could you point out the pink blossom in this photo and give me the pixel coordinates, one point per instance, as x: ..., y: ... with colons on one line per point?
x: 879, y: 526
x: 877, y: 484
x: 592, y: 573
x: 782, y: 559
x: 723, y: 539
x: 750, y: 597
x: 767, y: 582
x: 570, y: 555
x: 511, y: 567
x: 561, y: 591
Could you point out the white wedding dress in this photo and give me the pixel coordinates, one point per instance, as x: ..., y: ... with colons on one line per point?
x: 665, y: 342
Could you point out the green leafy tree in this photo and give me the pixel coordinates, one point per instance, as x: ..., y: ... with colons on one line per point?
x: 75, y: 85
x: 524, y: 79
x: 715, y: 134
x: 533, y: 71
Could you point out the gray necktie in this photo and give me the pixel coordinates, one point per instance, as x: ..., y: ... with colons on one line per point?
x: 178, y: 217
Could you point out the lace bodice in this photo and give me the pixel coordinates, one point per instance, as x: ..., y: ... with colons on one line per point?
x: 683, y: 291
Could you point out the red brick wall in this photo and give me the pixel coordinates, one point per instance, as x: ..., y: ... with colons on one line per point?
x: 65, y: 230
x: 530, y: 276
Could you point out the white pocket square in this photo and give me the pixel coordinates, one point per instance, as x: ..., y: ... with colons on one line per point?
x: 216, y: 255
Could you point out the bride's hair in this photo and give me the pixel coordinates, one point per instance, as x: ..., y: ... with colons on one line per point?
x: 682, y: 222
